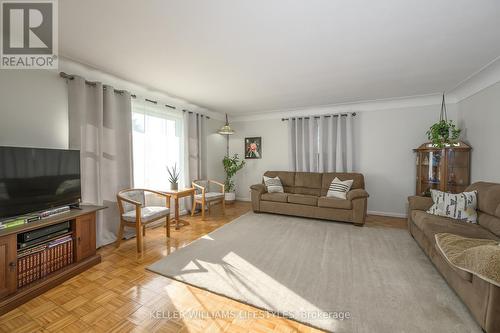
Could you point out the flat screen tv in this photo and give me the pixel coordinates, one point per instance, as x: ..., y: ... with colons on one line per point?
x: 34, y: 179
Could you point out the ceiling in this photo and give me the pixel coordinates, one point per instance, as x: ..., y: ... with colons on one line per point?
x: 256, y: 56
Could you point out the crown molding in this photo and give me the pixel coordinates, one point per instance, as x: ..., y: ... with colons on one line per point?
x: 92, y: 73
x: 485, y: 77
x: 372, y: 105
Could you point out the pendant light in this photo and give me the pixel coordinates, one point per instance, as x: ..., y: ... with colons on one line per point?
x: 226, y: 129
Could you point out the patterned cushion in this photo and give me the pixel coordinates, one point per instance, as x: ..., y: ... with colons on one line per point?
x: 148, y: 214
x: 460, y: 206
x: 339, y: 188
x: 210, y: 196
x: 273, y: 185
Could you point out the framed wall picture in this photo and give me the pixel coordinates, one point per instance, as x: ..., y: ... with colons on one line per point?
x: 253, y: 147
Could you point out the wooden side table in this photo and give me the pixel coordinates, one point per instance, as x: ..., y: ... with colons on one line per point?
x: 176, y: 194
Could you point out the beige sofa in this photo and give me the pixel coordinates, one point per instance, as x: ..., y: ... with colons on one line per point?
x: 305, y: 195
x: 482, y: 298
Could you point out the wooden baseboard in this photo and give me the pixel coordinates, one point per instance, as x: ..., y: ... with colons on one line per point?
x: 31, y: 291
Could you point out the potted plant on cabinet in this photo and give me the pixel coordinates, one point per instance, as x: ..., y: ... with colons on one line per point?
x: 231, y: 166
x: 173, y: 177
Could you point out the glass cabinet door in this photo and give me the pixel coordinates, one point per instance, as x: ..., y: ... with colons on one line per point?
x: 446, y: 169
x: 430, y: 171
x: 457, y: 171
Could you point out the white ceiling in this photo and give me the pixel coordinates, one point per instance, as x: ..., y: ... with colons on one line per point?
x: 240, y: 56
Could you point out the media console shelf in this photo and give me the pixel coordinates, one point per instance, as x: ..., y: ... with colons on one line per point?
x: 83, y: 231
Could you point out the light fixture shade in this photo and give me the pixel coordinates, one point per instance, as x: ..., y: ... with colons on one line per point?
x: 226, y: 129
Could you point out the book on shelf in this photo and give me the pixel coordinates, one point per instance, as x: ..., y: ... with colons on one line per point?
x: 31, y: 250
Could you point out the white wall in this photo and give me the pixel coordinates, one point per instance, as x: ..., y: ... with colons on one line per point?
x: 479, y: 115
x: 384, y: 143
x: 274, y: 151
x: 383, y: 139
x: 33, y: 109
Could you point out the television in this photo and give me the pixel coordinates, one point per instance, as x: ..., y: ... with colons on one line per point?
x: 35, y: 179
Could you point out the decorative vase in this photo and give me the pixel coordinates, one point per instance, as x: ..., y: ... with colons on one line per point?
x: 174, y: 186
x: 230, y: 197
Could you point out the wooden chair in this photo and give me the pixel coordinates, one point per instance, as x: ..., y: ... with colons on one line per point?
x: 206, y: 198
x: 134, y: 213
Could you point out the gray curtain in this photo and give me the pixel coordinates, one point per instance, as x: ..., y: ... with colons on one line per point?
x: 195, y: 148
x: 100, y: 126
x: 321, y: 144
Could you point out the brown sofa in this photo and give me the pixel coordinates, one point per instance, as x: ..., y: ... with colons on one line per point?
x: 305, y: 195
x: 482, y: 298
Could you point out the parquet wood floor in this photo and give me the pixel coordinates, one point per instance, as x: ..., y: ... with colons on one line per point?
x: 120, y: 295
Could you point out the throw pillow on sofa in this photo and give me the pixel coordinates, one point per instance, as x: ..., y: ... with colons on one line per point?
x: 273, y: 185
x: 339, y: 188
x: 460, y: 206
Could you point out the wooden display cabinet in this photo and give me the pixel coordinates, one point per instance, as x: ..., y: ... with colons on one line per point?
x: 445, y: 169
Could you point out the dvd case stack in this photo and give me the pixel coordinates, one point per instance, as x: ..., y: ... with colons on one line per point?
x: 37, y: 262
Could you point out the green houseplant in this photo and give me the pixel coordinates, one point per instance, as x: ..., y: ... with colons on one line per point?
x: 231, y: 166
x: 444, y: 132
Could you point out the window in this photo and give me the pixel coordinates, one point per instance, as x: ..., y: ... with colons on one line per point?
x: 157, y: 143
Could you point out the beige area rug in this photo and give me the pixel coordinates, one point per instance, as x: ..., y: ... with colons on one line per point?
x: 314, y: 271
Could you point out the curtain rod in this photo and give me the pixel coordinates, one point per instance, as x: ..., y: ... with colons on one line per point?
x: 155, y: 102
x: 92, y: 83
x: 184, y: 110
x: 326, y: 116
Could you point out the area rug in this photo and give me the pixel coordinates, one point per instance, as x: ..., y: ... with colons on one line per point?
x: 329, y: 275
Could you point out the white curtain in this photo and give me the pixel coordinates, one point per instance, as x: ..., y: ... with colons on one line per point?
x: 321, y: 144
x: 195, y: 149
x: 100, y: 127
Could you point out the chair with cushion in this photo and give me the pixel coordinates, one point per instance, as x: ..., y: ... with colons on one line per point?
x: 134, y: 213
x: 208, y: 193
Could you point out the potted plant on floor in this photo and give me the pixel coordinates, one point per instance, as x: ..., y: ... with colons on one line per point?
x: 231, y: 166
x: 173, y: 177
